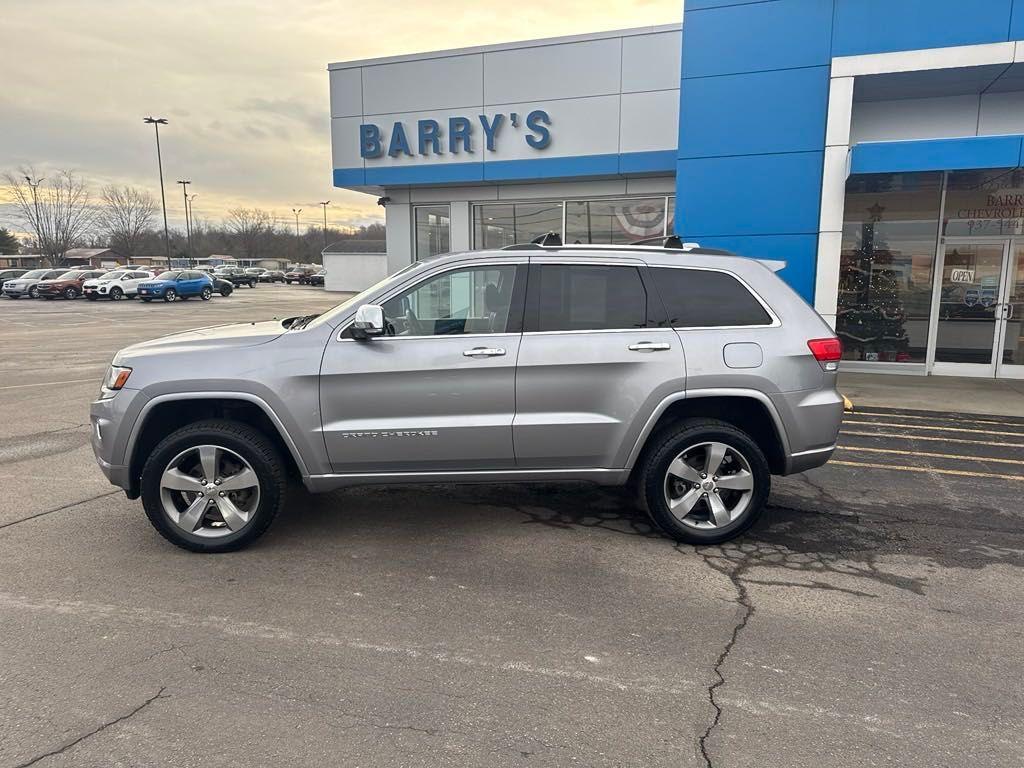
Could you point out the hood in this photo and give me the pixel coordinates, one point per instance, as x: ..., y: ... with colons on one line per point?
x: 215, y: 337
x: 156, y: 282
x: 55, y: 282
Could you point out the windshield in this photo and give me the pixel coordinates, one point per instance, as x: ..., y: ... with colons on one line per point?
x: 35, y: 273
x: 168, y: 276
x: 112, y: 275
x: 72, y: 275
x: 360, y: 298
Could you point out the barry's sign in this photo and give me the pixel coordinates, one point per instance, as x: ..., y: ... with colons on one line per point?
x: 459, y: 134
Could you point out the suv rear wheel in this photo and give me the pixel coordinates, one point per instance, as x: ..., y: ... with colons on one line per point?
x: 213, y: 486
x: 705, y: 482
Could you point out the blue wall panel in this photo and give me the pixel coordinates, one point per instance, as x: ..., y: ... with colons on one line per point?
x: 1017, y: 21
x: 751, y: 195
x: 880, y: 26
x: 756, y: 37
x: 778, y: 111
x: 936, y: 154
x: 798, y: 251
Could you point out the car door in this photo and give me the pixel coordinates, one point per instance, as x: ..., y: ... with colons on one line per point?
x: 438, y: 392
x: 595, y: 361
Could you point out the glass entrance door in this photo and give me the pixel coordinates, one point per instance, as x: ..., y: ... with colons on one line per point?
x: 969, y: 308
x: 1010, y: 350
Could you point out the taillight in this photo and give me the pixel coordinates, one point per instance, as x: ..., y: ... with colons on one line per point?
x: 828, y: 352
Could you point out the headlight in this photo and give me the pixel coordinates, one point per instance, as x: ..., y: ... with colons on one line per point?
x: 116, y: 378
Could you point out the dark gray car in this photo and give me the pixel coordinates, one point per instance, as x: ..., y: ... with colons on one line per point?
x: 692, y: 375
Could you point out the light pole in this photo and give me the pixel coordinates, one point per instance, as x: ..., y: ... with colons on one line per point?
x: 324, y: 204
x: 189, y: 212
x: 35, y: 204
x: 188, y: 224
x: 296, y: 211
x: 157, y: 122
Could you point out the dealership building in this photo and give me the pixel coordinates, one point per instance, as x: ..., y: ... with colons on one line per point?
x: 876, y: 146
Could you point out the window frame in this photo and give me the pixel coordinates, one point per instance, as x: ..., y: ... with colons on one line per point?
x: 415, y: 231
x: 515, y: 313
x: 531, y: 319
x: 775, y: 321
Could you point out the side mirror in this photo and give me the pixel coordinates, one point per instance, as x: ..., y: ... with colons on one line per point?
x: 369, y: 321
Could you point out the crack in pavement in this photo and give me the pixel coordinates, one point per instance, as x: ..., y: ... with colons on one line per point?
x: 58, y: 509
x: 742, y: 599
x: 102, y: 727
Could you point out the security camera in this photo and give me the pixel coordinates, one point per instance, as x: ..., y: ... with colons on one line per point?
x: 383, y: 201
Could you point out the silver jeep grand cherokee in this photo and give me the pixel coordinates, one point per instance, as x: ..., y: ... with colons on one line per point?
x: 692, y: 374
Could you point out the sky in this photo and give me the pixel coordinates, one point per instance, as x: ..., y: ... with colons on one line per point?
x: 243, y: 83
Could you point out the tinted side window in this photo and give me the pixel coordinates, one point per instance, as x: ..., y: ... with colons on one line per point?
x: 589, y: 298
x: 701, y: 299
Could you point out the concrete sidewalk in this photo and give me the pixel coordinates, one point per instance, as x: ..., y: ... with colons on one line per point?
x: 947, y: 394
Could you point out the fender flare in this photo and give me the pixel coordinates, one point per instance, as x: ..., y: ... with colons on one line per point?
x: 753, y: 394
x: 259, y: 402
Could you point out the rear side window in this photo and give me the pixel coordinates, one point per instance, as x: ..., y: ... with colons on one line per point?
x: 697, y: 298
x: 588, y: 298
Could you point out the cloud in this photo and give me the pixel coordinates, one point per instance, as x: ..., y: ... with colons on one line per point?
x: 243, y: 83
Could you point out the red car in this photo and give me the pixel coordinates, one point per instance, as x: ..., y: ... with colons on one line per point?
x: 68, y: 285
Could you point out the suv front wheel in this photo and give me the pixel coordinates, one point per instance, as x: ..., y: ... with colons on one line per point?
x: 213, y: 486
x: 705, y: 482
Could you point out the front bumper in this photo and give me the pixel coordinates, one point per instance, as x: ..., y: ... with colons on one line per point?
x: 112, y: 420
x: 16, y: 292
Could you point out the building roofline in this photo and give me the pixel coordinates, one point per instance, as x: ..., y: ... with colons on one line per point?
x: 538, y: 43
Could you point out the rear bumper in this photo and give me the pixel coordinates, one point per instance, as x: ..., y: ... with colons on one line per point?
x: 801, y: 462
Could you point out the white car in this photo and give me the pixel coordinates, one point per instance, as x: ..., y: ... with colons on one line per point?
x: 115, y: 285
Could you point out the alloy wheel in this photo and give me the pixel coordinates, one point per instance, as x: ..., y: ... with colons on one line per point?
x: 709, y: 485
x: 209, y: 491
x: 170, y: 294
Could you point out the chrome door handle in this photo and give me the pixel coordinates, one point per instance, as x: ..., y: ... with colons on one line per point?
x: 484, y: 352
x: 650, y: 346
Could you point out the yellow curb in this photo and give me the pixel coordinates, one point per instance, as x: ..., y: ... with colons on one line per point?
x: 847, y: 404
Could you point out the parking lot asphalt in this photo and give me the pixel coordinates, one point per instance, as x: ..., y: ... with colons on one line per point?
x: 872, y: 618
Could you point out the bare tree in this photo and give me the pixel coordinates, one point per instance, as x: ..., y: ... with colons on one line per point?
x: 56, y: 209
x: 127, y: 215
x: 250, y: 226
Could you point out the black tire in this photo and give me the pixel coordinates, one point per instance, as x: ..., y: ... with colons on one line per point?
x: 33, y: 292
x: 249, y: 443
x: 116, y: 294
x: 690, y: 433
x: 70, y: 293
x: 170, y: 295
x: 206, y: 294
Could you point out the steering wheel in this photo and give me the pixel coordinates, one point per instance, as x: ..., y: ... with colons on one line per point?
x: 413, y: 326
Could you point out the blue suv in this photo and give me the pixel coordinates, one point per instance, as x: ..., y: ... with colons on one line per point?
x: 175, y: 284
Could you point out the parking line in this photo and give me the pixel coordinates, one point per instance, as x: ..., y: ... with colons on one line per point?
x: 53, y: 383
x: 954, y: 420
x: 1018, y: 462
x: 937, y: 429
x: 932, y: 439
x: 926, y: 470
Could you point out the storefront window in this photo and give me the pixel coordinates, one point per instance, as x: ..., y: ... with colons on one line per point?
x: 985, y: 203
x: 500, y: 224
x: 433, y: 230
x: 614, y: 221
x: 885, y: 282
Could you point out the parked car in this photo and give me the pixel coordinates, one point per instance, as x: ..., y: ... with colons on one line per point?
x: 236, y: 275
x: 10, y: 274
x: 177, y: 284
x: 318, y: 278
x: 67, y: 285
x: 299, y: 275
x: 693, y: 375
x: 115, y: 285
x: 223, y: 287
x: 255, y: 271
x: 272, y: 276
x: 26, y: 285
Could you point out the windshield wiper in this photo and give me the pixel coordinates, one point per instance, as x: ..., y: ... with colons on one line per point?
x: 302, y: 322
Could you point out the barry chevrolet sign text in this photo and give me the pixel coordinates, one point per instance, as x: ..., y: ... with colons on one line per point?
x: 460, y: 134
